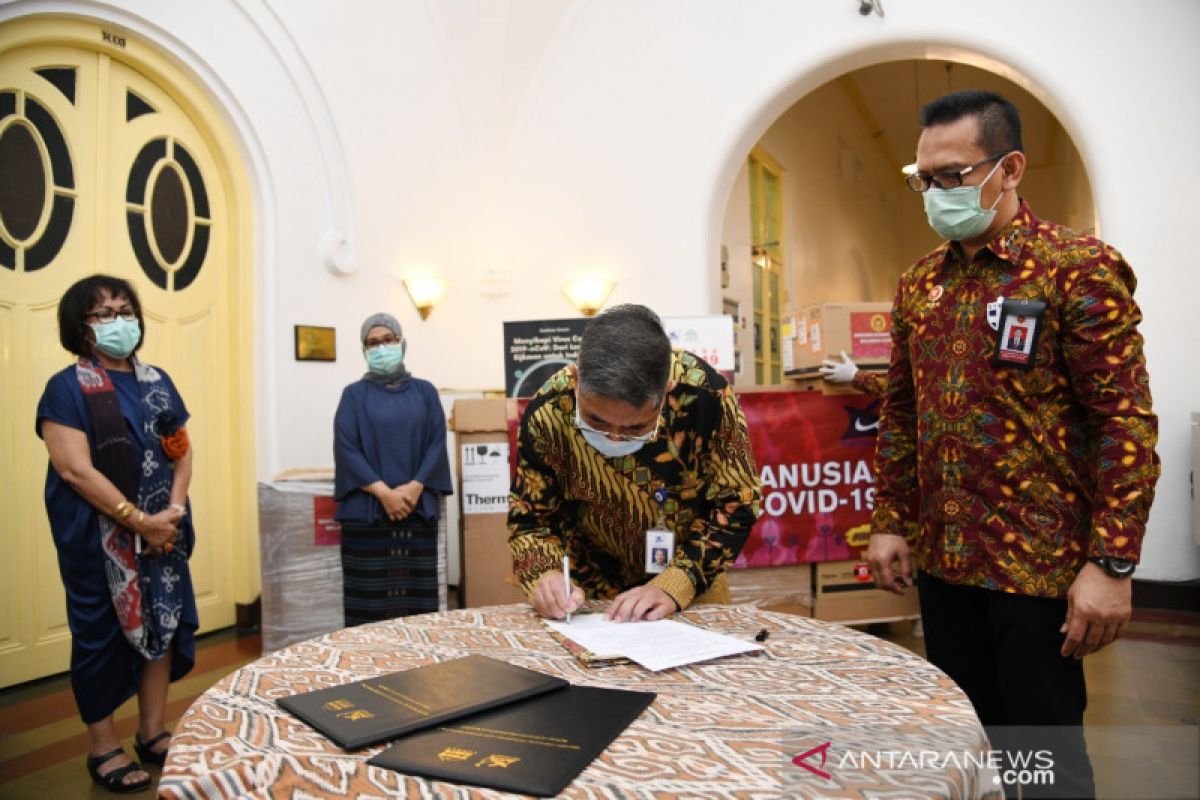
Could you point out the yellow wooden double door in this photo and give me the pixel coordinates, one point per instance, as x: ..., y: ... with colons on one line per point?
x: 105, y: 169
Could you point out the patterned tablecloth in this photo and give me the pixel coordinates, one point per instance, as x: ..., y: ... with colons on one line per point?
x: 863, y: 717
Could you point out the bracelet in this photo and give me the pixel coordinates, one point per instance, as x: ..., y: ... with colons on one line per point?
x: 123, y: 510
x: 180, y: 508
x: 141, y: 518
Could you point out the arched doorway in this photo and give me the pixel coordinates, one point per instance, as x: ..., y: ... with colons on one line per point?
x: 115, y: 161
x: 843, y: 226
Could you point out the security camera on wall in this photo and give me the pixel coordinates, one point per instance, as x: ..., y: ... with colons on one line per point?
x: 865, y: 7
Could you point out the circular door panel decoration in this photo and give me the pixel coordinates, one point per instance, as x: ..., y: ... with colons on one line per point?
x: 167, y: 213
x: 37, y: 184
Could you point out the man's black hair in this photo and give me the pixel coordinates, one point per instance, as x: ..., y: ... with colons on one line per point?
x: 625, y: 355
x: 999, y: 120
x: 81, y: 298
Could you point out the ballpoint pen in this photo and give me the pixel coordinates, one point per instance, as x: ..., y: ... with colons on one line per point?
x: 567, y: 583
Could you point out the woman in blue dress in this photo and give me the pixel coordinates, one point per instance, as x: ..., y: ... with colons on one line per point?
x: 390, y: 470
x: 116, y: 495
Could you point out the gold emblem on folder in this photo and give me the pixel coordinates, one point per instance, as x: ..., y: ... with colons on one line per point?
x: 455, y: 754
x: 504, y: 762
x: 338, y: 705
x: 356, y: 714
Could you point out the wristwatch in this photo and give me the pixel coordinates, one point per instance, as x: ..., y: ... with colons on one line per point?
x: 1115, y: 567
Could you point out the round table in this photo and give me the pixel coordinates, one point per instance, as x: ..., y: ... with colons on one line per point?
x: 825, y: 711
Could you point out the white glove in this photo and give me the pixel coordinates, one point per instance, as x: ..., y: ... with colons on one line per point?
x: 834, y: 372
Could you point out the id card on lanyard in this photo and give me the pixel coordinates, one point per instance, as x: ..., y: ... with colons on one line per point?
x: 1017, y: 332
x: 660, y: 540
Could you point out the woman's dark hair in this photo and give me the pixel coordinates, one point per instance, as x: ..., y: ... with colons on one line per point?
x: 80, y: 299
x: 999, y: 120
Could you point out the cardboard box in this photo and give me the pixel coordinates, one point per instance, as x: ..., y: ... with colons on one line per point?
x: 487, y: 577
x: 480, y: 416
x: 788, y: 589
x: 833, y: 591
x: 845, y: 592
x: 863, y: 330
x: 815, y: 383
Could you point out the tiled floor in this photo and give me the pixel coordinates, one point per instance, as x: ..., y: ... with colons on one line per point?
x: 43, y: 742
x: 1144, y: 704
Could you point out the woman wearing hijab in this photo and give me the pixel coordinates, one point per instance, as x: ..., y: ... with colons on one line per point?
x: 116, y: 495
x: 389, y: 448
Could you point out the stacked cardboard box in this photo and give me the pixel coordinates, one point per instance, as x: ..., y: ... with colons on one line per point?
x: 845, y: 592
x: 816, y: 383
x: 487, y: 577
x: 862, y: 330
x: 834, y: 591
x: 788, y: 588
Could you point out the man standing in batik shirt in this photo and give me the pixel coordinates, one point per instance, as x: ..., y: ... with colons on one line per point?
x: 633, y: 450
x: 1017, y: 432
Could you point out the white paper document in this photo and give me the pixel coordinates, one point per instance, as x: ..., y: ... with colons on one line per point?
x: 655, y: 645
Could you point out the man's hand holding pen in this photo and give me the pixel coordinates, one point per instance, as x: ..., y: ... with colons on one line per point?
x: 550, y: 601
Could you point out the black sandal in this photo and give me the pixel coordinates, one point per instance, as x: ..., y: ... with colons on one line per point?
x: 146, y: 751
x: 114, y: 780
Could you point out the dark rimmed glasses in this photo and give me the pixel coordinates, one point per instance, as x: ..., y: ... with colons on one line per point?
x: 107, y: 315
x: 383, y: 341
x: 948, y: 178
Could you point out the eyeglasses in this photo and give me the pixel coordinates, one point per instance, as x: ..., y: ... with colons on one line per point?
x: 106, y: 315
x: 648, y: 436
x: 371, y: 344
x: 946, y: 179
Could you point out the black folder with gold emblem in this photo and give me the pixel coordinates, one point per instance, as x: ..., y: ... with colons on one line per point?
x: 368, y: 711
x: 535, y: 747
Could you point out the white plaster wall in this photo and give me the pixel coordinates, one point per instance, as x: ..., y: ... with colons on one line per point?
x: 845, y: 204
x: 544, y: 137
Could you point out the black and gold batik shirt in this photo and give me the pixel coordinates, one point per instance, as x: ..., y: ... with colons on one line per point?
x: 569, y: 499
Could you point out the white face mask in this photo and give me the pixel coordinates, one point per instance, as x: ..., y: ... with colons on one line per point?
x: 608, y: 447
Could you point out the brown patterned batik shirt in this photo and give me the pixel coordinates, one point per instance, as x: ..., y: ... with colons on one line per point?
x: 869, y: 383
x: 569, y: 499
x: 1017, y: 475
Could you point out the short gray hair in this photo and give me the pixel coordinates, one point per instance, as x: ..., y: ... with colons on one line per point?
x: 625, y: 355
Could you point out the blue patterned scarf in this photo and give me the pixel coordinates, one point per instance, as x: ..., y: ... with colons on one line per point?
x: 144, y: 588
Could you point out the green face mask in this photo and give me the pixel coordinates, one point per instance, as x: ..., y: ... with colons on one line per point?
x: 957, y: 214
x: 117, y: 339
x: 384, y: 359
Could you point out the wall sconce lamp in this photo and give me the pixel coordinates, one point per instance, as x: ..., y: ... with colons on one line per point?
x: 425, y: 291
x: 588, y: 293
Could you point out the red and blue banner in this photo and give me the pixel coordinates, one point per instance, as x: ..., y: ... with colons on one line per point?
x: 814, y: 454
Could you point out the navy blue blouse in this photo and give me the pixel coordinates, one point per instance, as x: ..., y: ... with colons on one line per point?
x: 72, y: 517
x: 394, y: 435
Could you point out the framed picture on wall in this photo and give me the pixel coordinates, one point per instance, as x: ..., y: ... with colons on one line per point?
x: 316, y: 343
